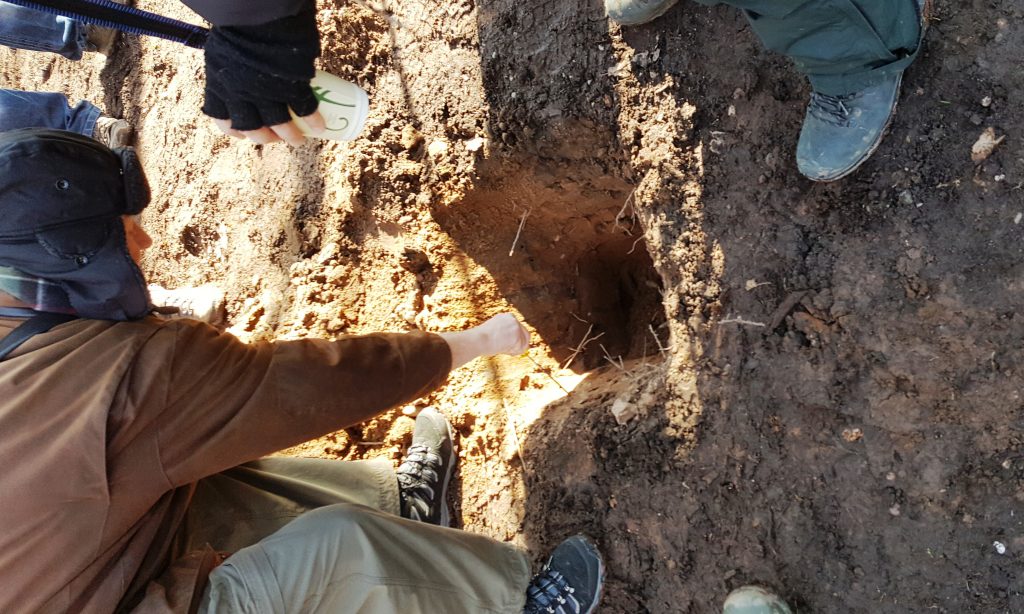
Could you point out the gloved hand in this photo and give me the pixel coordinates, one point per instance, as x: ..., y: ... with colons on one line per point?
x: 254, y: 73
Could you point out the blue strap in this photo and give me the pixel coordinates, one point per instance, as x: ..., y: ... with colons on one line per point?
x: 108, y: 14
x: 17, y: 312
x: 40, y: 322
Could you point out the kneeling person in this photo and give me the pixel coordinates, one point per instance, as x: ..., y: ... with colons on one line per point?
x: 131, y: 443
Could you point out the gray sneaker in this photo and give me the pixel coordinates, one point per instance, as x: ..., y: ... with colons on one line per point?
x: 570, y: 583
x: 205, y: 302
x: 426, y: 470
x: 841, y: 132
x: 112, y: 132
x: 754, y: 600
x: 636, y: 12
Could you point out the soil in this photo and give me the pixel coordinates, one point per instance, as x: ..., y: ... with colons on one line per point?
x: 737, y: 375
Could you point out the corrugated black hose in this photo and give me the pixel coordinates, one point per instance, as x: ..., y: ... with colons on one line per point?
x: 116, y: 16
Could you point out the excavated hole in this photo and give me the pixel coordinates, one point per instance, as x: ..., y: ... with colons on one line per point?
x: 618, y: 293
x: 580, y: 272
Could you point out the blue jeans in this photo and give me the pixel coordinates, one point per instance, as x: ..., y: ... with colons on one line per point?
x: 45, y: 110
x: 24, y: 28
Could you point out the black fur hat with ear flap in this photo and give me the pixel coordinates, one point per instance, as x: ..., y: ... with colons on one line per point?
x: 62, y: 198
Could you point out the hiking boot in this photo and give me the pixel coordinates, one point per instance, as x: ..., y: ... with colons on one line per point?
x: 112, y: 132
x: 570, y: 583
x: 754, y: 600
x: 204, y: 303
x: 841, y: 132
x: 636, y: 12
x: 426, y: 470
x: 99, y: 39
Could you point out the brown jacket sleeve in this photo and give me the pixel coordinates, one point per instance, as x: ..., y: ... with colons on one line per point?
x: 228, y: 403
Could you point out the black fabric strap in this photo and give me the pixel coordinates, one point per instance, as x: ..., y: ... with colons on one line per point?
x: 37, y: 324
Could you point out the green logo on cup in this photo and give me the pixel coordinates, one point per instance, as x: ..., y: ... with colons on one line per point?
x: 321, y: 96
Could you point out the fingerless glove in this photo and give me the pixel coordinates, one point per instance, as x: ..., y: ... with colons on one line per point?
x: 254, y: 73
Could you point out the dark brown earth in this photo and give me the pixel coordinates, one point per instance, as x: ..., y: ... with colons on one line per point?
x: 824, y: 380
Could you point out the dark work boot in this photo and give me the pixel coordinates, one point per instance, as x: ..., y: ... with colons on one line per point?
x: 841, y: 132
x: 426, y: 470
x: 636, y: 12
x: 570, y: 583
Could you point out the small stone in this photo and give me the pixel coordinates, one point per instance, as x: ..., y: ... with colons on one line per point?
x: 891, y: 476
x: 411, y: 137
x: 985, y: 145
x: 853, y: 435
x: 328, y: 252
x: 410, y: 410
x: 475, y: 144
x: 437, y: 148
x: 1000, y: 547
x: 986, y: 101
x: 623, y: 410
x: 895, y: 509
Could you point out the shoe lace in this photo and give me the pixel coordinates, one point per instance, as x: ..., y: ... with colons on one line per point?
x: 418, y: 478
x: 832, y: 109
x: 549, y: 593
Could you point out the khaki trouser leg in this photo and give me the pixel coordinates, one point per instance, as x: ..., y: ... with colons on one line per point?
x: 349, y: 558
x: 241, y: 506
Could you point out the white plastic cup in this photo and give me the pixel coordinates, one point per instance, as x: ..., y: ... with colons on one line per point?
x: 344, y: 106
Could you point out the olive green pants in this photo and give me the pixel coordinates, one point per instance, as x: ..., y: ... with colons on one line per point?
x: 318, y: 536
x: 841, y: 45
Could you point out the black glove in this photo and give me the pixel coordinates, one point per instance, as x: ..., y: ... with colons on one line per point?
x: 254, y: 73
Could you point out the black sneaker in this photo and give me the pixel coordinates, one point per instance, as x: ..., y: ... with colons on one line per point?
x: 426, y: 469
x: 570, y: 583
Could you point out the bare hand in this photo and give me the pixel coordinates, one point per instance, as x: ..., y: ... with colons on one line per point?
x: 502, y: 334
x: 288, y: 132
x: 505, y: 335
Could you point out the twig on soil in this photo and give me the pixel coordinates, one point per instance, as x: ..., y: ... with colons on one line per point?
x: 662, y: 349
x: 784, y: 308
x: 515, y: 438
x: 547, y: 372
x: 522, y: 223
x: 368, y: 443
x: 743, y: 322
x: 621, y: 365
x: 618, y: 215
x: 582, y: 346
x: 578, y: 318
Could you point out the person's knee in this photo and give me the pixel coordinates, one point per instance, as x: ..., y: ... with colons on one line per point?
x: 333, y: 522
